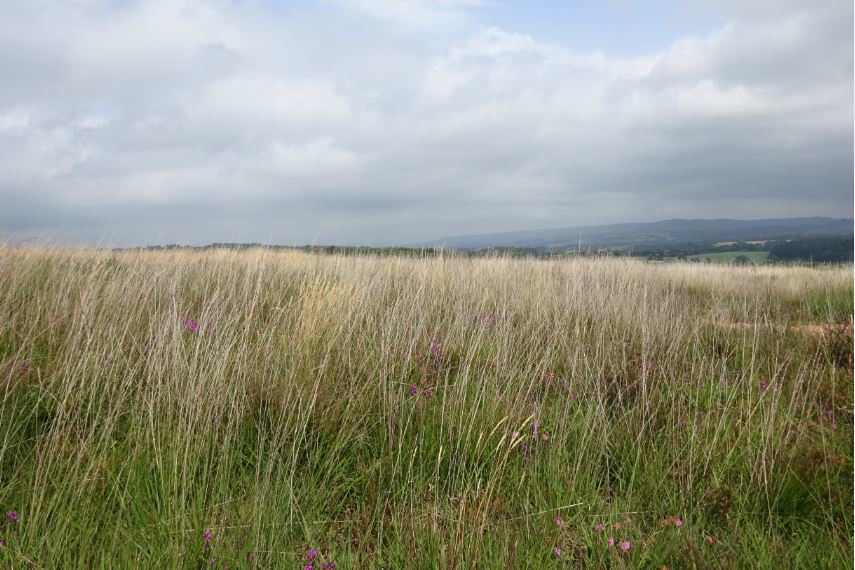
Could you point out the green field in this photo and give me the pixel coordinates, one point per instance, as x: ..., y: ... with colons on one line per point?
x: 756, y: 257
x: 262, y: 409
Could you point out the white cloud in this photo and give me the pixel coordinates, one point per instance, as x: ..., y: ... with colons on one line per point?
x: 228, y: 115
x: 419, y: 13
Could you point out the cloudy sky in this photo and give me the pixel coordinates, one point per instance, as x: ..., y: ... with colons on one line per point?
x: 396, y: 121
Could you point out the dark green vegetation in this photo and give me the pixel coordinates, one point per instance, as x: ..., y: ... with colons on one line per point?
x: 737, y: 257
x: 822, y: 250
x: 818, y: 250
x: 163, y: 409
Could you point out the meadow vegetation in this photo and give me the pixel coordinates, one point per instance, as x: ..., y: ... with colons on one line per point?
x: 260, y: 409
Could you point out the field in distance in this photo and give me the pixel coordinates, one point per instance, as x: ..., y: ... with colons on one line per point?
x: 278, y: 409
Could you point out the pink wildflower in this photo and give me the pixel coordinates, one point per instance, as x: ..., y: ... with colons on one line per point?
x: 624, y: 545
x: 599, y: 527
x: 611, y: 541
x: 678, y: 522
x: 556, y: 551
x: 559, y: 521
x: 13, y: 516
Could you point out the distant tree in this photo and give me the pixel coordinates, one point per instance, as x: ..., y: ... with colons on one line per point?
x: 742, y: 260
x: 817, y: 250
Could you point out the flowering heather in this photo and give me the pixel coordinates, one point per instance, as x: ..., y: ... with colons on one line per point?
x: 486, y: 319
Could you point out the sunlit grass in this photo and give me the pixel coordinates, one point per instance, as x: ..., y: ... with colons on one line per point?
x: 161, y: 410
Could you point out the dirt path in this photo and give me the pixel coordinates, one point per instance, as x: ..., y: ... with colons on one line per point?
x: 814, y: 329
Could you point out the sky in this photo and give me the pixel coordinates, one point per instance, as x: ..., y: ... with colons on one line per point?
x: 393, y: 122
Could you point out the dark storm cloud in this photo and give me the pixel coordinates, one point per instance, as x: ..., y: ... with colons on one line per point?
x: 205, y: 121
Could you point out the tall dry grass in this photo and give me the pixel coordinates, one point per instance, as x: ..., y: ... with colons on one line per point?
x: 180, y: 409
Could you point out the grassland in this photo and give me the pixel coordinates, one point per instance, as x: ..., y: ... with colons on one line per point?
x: 756, y: 257
x: 205, y: 410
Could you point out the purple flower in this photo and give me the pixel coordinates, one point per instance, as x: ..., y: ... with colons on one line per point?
x: 534, y: 425
x: 414, y: 391
x: 212, y: 560
x: 611, y: 541
x: 311, y: 555
x: 328, y: 566
x: 762, y: 385
x: 309, y: 566
x: 559, y: 521
x: 190, y: 325
x: 624, y: 545
x: 599, y: 527
x: 556, y: 551
x: 650, y: 364
x: 13, y: 516
x: 678, y: 522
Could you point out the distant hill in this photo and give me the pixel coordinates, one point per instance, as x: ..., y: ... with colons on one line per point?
x: 654, y: 233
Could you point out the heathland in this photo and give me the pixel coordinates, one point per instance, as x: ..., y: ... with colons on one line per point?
x: 283, y: 409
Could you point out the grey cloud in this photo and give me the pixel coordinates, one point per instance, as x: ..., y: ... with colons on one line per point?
x: 195, y: 121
